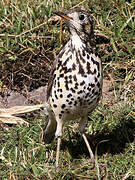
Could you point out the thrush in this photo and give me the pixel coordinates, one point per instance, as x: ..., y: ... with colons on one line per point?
x: 75, y: 83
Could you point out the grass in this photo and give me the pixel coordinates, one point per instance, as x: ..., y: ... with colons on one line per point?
x: 28, y: 44
x: 24, y: 156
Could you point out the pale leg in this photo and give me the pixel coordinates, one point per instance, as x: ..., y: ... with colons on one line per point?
x: 58, y: 135
x: 89, y: 148
x: 82, y: 129
x: 58, y: 151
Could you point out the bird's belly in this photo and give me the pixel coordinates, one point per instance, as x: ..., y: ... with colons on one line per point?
x: 82, y: 103
x: 76, y: 98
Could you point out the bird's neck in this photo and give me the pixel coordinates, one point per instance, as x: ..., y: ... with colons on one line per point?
x: 78, y: 42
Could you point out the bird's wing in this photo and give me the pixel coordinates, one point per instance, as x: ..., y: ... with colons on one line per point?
x: 50, y: 81
x: 52, y: 73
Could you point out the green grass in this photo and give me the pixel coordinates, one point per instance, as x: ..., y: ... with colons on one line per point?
x: 28, y: 44
x: 23, y: 154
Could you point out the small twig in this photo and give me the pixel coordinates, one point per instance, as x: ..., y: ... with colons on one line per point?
x: 78, y: 4
x: 28, y: 31
x: 32, y: 37
x: 60, y: 32
x: 25, y: 64
x: 105, y: 28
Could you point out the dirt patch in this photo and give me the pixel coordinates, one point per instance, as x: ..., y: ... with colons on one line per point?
x: 108, y: 92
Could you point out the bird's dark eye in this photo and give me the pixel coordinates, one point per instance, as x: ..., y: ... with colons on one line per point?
x: 81, y: 17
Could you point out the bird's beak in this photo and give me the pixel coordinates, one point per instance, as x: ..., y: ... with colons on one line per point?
x: 63, y: 15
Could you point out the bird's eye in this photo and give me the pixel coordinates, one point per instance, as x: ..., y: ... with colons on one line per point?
x: 81, y: 17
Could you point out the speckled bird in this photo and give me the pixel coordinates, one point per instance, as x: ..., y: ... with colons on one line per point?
x: 75, y: 84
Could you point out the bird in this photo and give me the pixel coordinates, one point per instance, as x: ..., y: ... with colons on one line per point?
x: 75, y: 82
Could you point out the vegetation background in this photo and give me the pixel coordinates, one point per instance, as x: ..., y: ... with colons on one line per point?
x: 29, y: 42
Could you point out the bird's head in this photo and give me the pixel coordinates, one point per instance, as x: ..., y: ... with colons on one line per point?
x: 79, y: 22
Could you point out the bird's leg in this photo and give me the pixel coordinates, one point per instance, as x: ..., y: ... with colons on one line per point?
x: 58, y: 151
x: 50, y: 129
x: 89, y: 148
x: 82, y: 124
x: 58, y: 135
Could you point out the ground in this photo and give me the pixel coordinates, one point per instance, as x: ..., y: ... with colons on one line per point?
x: 30, y: 39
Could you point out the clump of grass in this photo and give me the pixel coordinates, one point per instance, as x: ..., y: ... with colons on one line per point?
x: 23, y: 154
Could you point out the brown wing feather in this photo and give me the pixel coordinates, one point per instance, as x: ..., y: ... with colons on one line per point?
x: 50, y: 81
x: 52, y: 73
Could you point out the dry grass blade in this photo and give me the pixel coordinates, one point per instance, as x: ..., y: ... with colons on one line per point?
x: 126, y: 23
x: 7, y: 119
x: 127, y: 175
x: 113, y: 45
x: 20, y: 109
x: 80, y: 3
x: 96, y: 160
x: 32, y: 29
x: 6, y: 114
x: 33, y: 36
x: 105, y: 28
